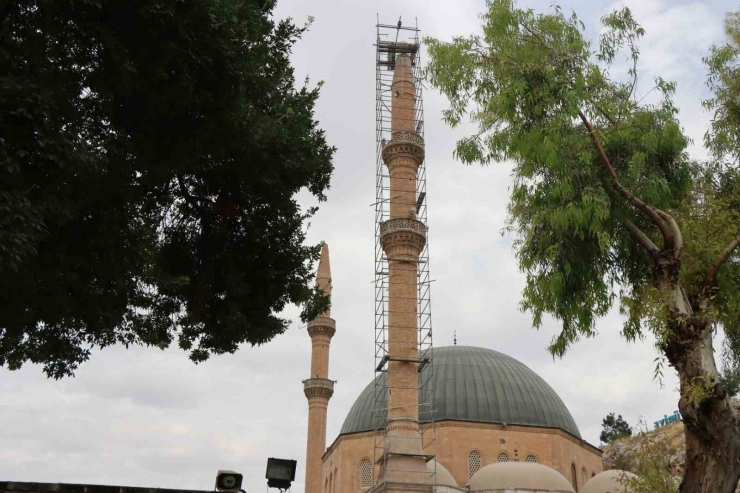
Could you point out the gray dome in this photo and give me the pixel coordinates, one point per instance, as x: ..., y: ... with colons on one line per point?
x: 477, y: 384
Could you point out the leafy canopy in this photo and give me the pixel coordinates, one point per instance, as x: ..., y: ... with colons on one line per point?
x: 723, y: 139
x: 150, y: 153
x: 530, y: 82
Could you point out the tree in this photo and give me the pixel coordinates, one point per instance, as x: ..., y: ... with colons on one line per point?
x: 150, y: 153
x: 606, y: 204
x: 614, y: 428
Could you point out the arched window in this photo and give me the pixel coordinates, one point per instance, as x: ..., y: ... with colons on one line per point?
x: 593, y: 474
x: 574, y: 477
x: 502, y: 457
x: 326, y: 485
x: 584, y: 476
x: 366, y: 474
x: 334, y: 480
x: 475, y: 462
x: 531, y: 458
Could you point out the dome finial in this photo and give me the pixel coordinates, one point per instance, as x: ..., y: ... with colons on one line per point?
x: 454, y: 338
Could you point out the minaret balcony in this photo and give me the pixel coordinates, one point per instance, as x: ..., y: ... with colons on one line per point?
x: 402, y: 238
x: 404, y: 144
x: 322, y: 326
x: 318, y: 387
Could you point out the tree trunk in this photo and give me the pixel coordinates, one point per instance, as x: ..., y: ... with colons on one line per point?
x: 712, y: 425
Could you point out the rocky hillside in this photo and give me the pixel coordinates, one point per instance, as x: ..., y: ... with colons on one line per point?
x: 667, y: 446
x: 621, y: 454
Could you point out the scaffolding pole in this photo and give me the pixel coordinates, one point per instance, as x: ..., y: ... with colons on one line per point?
x: 393, y: 40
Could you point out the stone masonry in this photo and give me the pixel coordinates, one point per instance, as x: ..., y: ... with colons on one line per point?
x: 403, y: 238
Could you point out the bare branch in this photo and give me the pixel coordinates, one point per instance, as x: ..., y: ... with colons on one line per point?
x: 714, y: 268
x: 189, y: 198
x: 641, y: 205
x: 646, y: 242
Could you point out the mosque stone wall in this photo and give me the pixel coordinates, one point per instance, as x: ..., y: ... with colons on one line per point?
x: 455, y: 440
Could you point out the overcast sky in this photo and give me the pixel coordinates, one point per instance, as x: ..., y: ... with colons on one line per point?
x: 151, y: 418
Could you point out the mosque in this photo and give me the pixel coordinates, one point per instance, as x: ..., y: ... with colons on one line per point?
x: 442, y: 419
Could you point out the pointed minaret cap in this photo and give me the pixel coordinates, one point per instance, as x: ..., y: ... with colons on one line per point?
x: 324, y: 270
x: 323, y: 275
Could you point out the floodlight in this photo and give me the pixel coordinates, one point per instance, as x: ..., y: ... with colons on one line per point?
x: 280, y: 473
x: 228, y: 481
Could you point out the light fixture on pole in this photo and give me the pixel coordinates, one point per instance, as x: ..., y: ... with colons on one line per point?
x: 280, y: 473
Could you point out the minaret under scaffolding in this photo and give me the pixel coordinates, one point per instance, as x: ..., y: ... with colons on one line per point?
x: 403, y: 323
x: 319, y: 388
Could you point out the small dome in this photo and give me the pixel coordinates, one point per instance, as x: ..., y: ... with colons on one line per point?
x: 607, y: 482
x: 444, y: 478
x: 519, y: 476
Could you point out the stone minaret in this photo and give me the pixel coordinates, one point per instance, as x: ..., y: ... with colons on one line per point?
x: 403, y: 238
x: 319, y: 388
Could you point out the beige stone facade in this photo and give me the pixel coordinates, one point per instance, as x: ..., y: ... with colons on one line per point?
x: 456, y: 440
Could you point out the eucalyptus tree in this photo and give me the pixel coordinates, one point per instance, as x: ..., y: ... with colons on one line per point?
x: 606, y: 205
x: 150, y: 155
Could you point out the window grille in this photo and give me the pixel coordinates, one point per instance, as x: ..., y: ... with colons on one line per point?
x: 584, y: 476
x: 574, y: 477
x: 475, y: 462
x: 366, y: 474
x: 503, y: 457
x: 531, y: 458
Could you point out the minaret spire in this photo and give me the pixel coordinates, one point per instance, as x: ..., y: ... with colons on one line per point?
x: 319, y: 388
x: 323, y: 275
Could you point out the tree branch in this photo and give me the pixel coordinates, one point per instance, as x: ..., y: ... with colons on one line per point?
x: 678, y: 237
x: 642, y: 206
x: 189, y: 198
x: 646, y: 242
x: 714, y: 268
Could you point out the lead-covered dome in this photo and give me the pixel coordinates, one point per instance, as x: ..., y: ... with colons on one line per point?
x: 477, y: 384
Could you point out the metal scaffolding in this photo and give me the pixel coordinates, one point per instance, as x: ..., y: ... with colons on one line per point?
x: 393, y: 40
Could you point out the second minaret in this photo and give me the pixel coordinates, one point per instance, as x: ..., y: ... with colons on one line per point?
x: 319, y: 388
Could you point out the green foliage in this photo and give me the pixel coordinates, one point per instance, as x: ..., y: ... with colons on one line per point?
x: 150, y: 153
x: 724, y: 80
x: 723, y: 139
x: 529, y: 82
x: 698, y: 390
x: 614, y: 428
x: 651, y: 463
